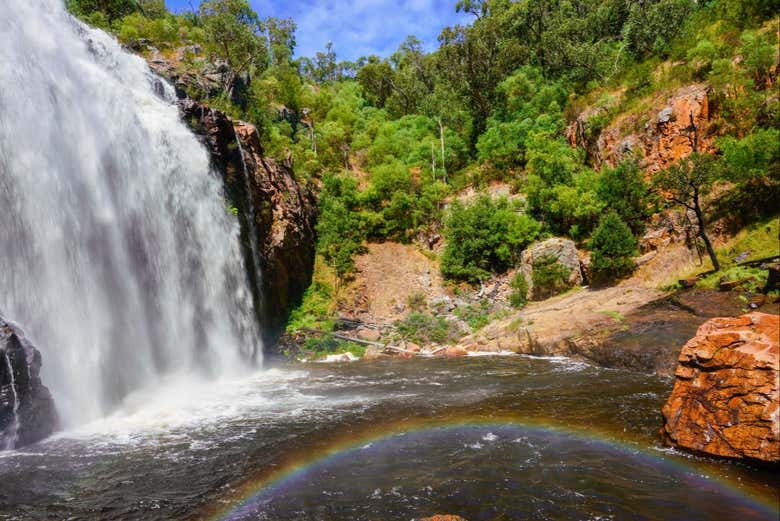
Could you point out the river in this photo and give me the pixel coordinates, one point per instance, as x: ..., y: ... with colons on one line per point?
x: 487, y: 438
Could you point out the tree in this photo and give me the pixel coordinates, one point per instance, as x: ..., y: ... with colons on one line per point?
x: 339, y: 228
x: 624, y: 190
x: 613, y: 246
x: 685, y: 184
x: 483, y: 237
x: 232, y: 31
x: 376, y: 78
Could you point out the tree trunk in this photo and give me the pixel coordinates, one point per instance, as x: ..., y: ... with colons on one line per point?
x: 443, y: 163
x: 703, y: 234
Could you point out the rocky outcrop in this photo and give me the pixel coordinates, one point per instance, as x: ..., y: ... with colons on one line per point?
x: 277, y: 214
x: 27, y: 412
x: 671, y: 130
x: 625, y: 327
x: 725, y: 398
x: 556, y: 256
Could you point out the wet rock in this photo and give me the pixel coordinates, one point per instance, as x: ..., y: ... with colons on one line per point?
x: 725, y: 398
x: 564, y: 252
x: 411, y: 346
x: 372, y: 335
x: 455, y: 351
x: 27, y: 412
x: 374, y: 353
x: 339, y: 357
x: 276, y: 213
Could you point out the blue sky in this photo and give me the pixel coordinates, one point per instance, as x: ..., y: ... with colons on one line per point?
x: 356, y: 27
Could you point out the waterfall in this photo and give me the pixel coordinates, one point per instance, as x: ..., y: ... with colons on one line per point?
x: 9, y: 435
x: 118, y: 252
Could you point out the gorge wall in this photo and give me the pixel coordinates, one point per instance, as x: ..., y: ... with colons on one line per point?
x: 276, y: 213
x: 671, y: 128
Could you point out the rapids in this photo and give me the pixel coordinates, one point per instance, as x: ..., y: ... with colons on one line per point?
x: 487, y: 438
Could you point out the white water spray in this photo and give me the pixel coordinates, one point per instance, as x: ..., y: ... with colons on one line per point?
x: 10, y: 435
x: 117, y: 251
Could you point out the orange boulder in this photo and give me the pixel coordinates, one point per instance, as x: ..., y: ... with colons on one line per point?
x: 725, y: 398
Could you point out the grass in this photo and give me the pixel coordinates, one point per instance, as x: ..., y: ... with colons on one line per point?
x: 320, y: 347
x: 476, y: 316
x: 615, y: 315
x: 760, y: 240
x: 319, y: 303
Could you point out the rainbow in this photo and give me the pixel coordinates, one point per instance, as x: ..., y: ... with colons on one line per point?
x: 299, y: 464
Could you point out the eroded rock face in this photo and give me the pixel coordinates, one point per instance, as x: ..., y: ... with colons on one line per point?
x: 725, y: 398
x: 564, y: 251
x: 276, y: 213
x: 27, y: 412
x: 674, y: 128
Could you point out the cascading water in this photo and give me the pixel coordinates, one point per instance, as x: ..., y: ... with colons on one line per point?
x: 8, y: 437
x: 117, y: 252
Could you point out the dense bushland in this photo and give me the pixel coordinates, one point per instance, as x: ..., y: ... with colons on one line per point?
x: 391, y: 140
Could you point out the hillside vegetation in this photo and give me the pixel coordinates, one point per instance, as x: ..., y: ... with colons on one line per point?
x: 390, y: 142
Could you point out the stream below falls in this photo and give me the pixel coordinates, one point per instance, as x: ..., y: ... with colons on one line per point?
x: 488, y: 438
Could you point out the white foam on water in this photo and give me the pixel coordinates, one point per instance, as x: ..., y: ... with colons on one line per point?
x: 118, y: 255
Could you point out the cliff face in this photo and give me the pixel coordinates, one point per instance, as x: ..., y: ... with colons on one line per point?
x: 27, y: 412
x: 276, y: 213
x: 674, y: 127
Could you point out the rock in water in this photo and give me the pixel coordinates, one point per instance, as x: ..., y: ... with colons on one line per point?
x: 725, y: 397
x: 27, y: 412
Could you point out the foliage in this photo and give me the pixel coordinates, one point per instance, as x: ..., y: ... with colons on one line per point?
x: 624, y: 191
x: 390, y: 139
x: 318, y: 304
x: 613, y: 246
x: 422, y: 328
x: 322, y: 346
x: 484, y: 237
x: 561, y: 190
x: 549, y: 277
x: 519, y: 295
x: 340, y: 228
x: 476, y: 316
x: 754, y: 279
x: 232, y: 28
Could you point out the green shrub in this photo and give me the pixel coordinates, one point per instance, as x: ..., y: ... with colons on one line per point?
x: 476, y: 316
x: 613, y: 246
x: 754, y: 278
x: 624, y: 191
x: 549, y: 277
x: 416, y: 301
x: 320, y: 347
x: 519, y: 295
x: 422, y: 328
x: 484, y: 236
